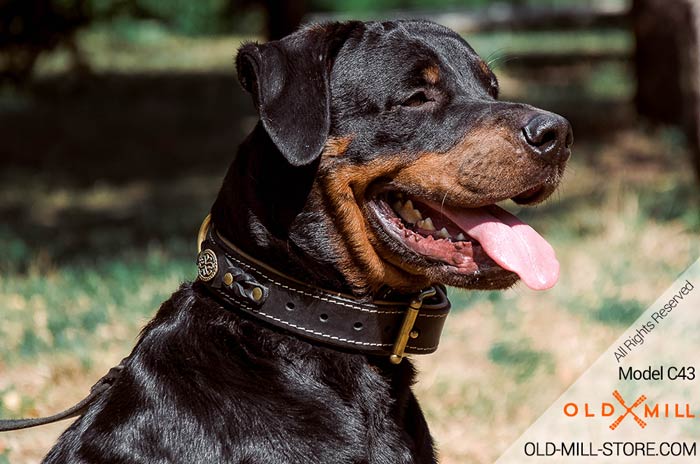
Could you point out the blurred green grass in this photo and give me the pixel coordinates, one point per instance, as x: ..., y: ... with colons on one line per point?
x: 64, y: 283
x: 67, y: 308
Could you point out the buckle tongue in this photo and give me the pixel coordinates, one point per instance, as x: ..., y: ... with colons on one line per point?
x: 406, y: 327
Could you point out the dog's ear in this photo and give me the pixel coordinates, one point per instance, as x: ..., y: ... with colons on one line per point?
x: 289, y: 81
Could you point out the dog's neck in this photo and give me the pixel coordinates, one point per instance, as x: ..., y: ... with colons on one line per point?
x: 267, y: 208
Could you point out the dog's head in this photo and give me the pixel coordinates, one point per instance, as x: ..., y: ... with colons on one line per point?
x: 398, y: 129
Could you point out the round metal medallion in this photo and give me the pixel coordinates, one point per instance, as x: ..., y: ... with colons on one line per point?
x: 207, y: 265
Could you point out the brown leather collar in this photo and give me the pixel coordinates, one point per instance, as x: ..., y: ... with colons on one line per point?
x: 387, y: 328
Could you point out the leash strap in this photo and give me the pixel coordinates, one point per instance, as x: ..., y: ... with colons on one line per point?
x: 100, y: 387
x: 386, y: 328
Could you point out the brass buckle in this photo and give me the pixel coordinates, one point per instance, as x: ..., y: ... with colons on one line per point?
x: 202, y: 234
x: 406, y: 331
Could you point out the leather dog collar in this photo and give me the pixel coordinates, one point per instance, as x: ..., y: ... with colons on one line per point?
x: 389, y: 328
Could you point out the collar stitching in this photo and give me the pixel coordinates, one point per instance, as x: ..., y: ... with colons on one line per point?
x: 318, y: 296
x: 331, y: 337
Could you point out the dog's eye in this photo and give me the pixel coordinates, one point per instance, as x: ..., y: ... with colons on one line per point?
x: 417, y: 99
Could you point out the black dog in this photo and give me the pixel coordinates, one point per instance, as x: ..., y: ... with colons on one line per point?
x: 380, y: 152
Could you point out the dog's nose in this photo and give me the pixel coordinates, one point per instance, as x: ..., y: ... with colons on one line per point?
x: 549, y: 136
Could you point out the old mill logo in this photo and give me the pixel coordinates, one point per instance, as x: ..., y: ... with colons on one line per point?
x: 628, y: 410
x: 640, y: 410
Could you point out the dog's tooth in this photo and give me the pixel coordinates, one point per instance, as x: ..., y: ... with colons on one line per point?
x: 406, y: 233
x: 408, y: 204
x: 461, y: 237
x: 398, y: 206
x: 409, y: 214
x: 428, y: 224
x: 443, y: 233
x: 417, y: 237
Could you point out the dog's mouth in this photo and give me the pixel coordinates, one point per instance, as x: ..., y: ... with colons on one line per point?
x: 486, y: 242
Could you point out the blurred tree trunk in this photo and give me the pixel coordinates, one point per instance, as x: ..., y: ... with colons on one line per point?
x: 667, y: 64
x: 692, y: 84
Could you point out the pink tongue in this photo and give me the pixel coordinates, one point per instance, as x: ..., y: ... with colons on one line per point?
x: 514, y: 245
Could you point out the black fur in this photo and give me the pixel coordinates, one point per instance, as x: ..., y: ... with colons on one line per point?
x: 206, y: 385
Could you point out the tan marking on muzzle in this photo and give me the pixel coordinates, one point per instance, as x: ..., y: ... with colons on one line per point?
x: 344, y: 186
x: 487, y: 162
x: 431, y: 75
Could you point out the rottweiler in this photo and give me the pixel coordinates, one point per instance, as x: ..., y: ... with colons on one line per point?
x: 369, y: 182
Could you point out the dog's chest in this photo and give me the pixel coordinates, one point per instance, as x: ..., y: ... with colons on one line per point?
x: 335, y: 410
x: 235, y: 392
